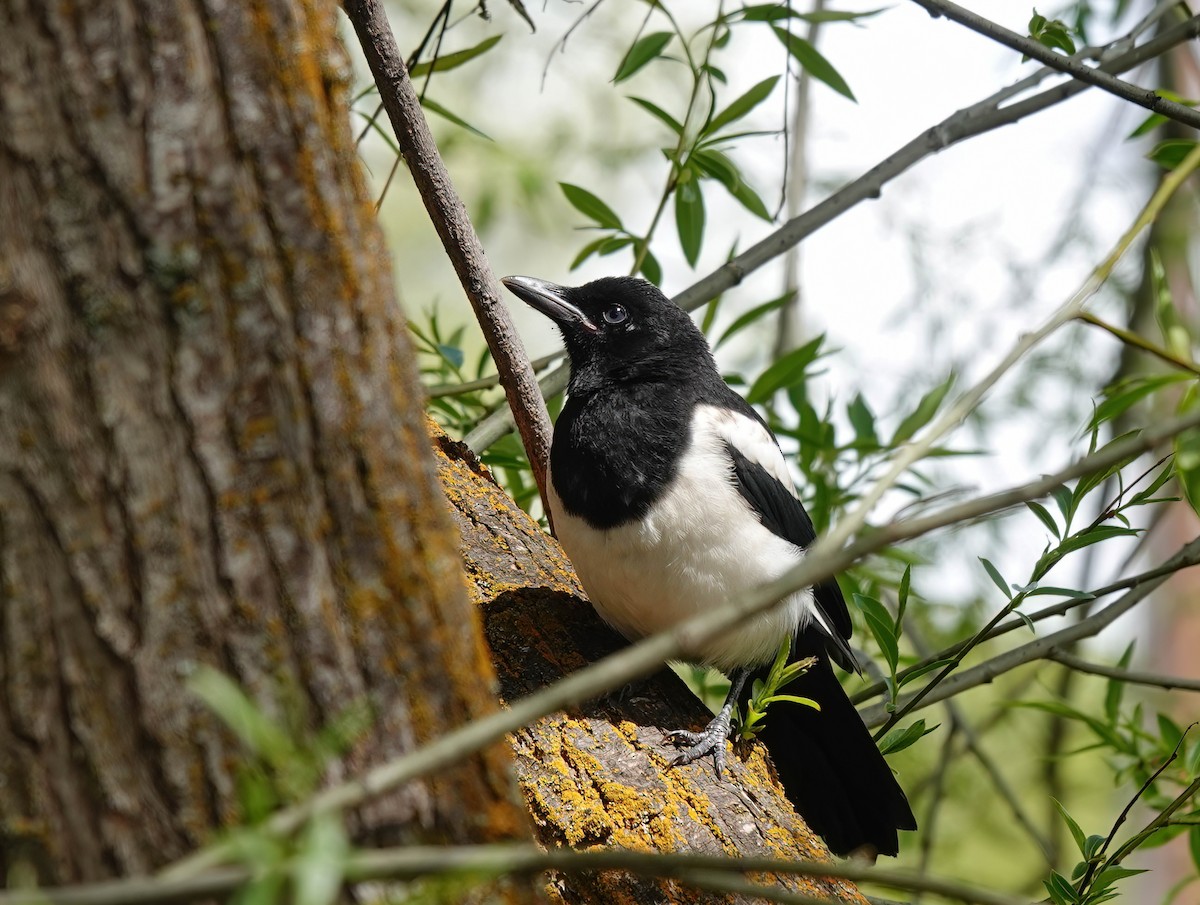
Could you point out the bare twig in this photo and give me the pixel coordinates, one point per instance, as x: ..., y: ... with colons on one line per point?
x: 1139, y: 342
x: 1133, y: 676
x: 485, y: 383
x: 966, y: 123
x: 643, y: 657
x: 449, y: 217
x: 1143, y: 97
x: 503, y: 859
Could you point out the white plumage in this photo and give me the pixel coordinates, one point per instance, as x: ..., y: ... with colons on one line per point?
x: 700, y: 546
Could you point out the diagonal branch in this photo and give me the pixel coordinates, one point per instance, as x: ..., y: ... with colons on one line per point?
x: 1077, y: 69
x: 458, y: 236
x: 965, y: 123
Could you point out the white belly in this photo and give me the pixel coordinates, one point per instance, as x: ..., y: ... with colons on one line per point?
x: 700, y: 547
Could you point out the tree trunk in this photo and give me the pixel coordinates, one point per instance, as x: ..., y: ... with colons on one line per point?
x: 211, y: 446
x: 599, y: 776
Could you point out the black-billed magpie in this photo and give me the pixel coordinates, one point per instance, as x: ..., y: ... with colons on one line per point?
x: 670, y: 495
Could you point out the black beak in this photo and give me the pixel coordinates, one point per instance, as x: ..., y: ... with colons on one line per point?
x: 551, y: 300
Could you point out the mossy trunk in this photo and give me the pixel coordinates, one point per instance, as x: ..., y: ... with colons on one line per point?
x: 211, y: 446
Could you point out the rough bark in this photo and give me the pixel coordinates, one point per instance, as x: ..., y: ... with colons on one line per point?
x: 211, y: 447
x: 598, y: 776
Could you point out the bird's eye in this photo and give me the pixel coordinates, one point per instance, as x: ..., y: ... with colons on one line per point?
x: 616, y: 314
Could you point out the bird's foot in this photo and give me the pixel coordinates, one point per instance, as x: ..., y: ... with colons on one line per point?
x: 710, y: 741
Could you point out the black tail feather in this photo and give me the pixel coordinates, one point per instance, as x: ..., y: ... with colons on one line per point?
x: 831, y: 768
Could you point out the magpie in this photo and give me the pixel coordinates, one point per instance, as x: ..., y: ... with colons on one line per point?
x: 670, y: 495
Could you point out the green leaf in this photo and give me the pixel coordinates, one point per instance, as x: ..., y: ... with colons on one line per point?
x: 590, y: 206
x: 689, y: 218
x: 742, y: 105
x: 1076, y: 833
x: 644, y: 49
x: 863, y: 421
x: 1170, y: 153
x: 879, y: 621
x: 794, y: 699
x: 718, y: 166
x: 235, y: 709
x: 659, y: 113
x: 1093, y: 536
x: 434, y: 107
x: 996, y: 577
x: 753, y: 315
x: 935, y: 666
x: 812, y: 61
x: 1187, y: 451
x: 454, y: 60
x: 588, y: 250
x: 651, y: 269
x: 1176, y: 336
x: 1170, y: 731
x: 1052, y: 591
x: 319, y: 867
x: 785, y: 372
x: 1122, y: 396
x: 1194, y: 845
x: 1046, y: 518
x: 898, y: 739
x: 1115, y: 689
x: 1060, y: 889
x: 924, y: 411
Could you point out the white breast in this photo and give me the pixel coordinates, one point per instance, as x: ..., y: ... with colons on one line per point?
x: 700, y: 546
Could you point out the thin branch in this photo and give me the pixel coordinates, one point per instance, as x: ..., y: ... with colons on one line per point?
x: 643, y: 657
x: 1143, y: 97
x: 965, y: 123
x: 503, y: 859
x: 1138, y: 342
x: 1133, y: 676
x: 486, y: 383
x: 1038, y: 649
x: 449, y: 217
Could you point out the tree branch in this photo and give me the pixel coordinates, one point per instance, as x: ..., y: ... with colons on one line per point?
x: 1143, y: 97
x: 449, y: 216
x: 1133, y: 676
x: 411, y: 862
x: 965, y: 123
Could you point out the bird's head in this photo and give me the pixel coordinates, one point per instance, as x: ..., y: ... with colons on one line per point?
x: 619, y: 328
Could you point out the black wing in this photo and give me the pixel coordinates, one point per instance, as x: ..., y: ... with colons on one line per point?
x: 783, y: 514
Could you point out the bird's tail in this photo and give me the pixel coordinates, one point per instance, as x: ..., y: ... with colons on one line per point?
x: 831, y: 768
